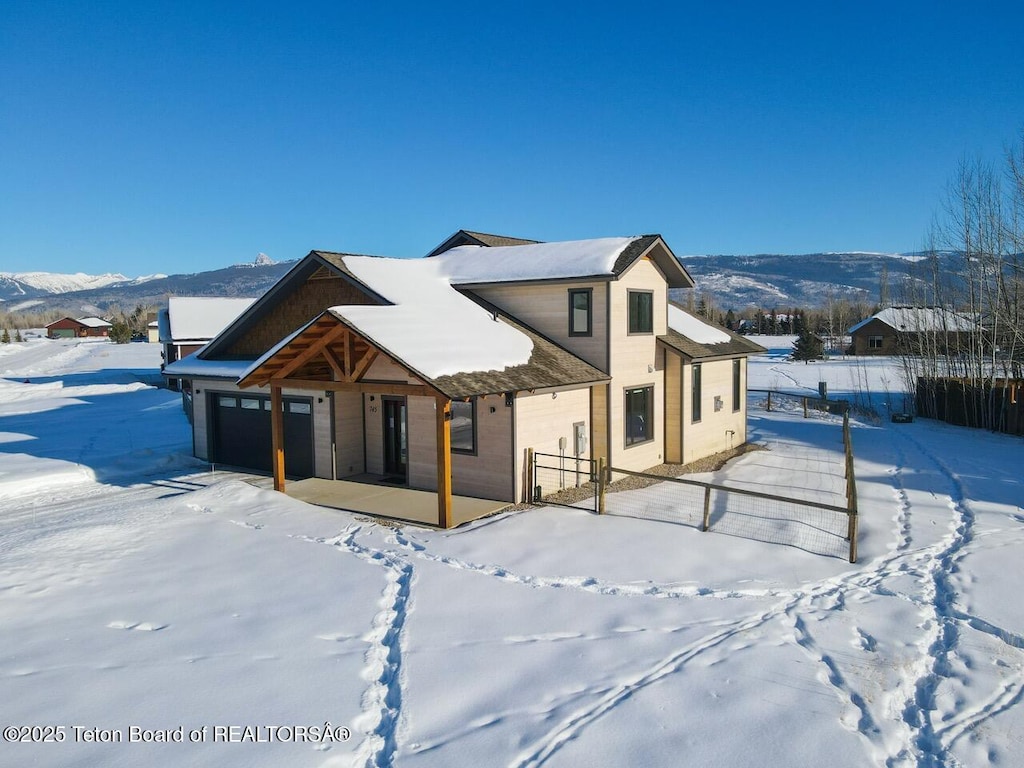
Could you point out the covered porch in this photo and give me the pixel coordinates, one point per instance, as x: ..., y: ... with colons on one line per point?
x: 392, y: 502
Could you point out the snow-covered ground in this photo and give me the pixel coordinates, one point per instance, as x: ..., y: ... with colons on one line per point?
x: 139, y: 590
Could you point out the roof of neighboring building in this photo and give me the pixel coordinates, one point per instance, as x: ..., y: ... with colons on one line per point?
x: 198, y: 318
x: 94, y: 322
x: 919, y: 320
x: 696, y: 338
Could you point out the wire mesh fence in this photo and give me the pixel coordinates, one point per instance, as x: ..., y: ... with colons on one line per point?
x: 565, y: 481
x: 812, y: 526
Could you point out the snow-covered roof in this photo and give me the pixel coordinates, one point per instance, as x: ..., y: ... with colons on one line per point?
x: 200, y: 318
x: 692, y: 327
x: 919, y: 320
x: 194, y: 366
x: 468, y: 264
x: 94, y: 322
x: 430, y: 326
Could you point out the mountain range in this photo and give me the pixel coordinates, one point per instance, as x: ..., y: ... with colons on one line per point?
x: 730, y: 282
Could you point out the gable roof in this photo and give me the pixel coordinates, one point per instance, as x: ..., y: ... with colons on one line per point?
x: 695, y: 338
x: 199, y: 318
x: 600, y: 258
x: 466, y: 237
x: 919, y: 320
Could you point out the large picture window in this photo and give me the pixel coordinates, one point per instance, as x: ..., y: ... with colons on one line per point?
x: 464, y: 426
x: 641, y: 312
x: 695, y: 393
x: 639, y: 415
x: 581, y: 311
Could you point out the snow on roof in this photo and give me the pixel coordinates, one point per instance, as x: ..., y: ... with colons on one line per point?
x: 194, y: 366
x: 468, y: 264
x: 431, y: 326
x: 94, y: 322
x: 200, y: 318
x: 693, y: 328
x: 919, y: 320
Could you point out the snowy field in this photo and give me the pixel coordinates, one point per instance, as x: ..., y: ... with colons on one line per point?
x: 144, y: 597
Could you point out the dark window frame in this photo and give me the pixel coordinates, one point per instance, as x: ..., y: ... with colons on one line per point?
x: 696, y: 393
x: 647, y: 417
x: 876, y: 342
x: 472, y: 450
x: 635, y: 323
x: 737, y: 389
x: 589, y: 293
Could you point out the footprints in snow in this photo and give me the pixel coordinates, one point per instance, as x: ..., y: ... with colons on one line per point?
x: 143, y: 626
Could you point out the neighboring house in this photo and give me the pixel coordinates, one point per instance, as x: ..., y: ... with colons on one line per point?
x: 189, y: 322
x: 440, y: 373
x: 84, y: 327
x: 899, y: 330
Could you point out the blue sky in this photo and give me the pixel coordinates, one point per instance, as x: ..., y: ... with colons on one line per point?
x: 143, y: 137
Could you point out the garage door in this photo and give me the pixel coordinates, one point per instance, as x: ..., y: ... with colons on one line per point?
x: 241, y: 433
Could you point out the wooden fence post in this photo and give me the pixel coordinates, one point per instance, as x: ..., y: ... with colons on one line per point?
x: 805, y: 407
x: 707, y: 508
x: 769, y: 399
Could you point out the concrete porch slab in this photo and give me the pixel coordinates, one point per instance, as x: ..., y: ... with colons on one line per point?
x: 396, y: 503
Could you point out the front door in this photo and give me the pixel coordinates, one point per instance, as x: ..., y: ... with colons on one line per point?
x: 395, y: 442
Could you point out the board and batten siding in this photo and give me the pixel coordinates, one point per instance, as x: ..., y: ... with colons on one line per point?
x: 717, y: 430
x: 635, y: 362
x: 322, y: 454
x: 546, y: 308
x: 542, y: 418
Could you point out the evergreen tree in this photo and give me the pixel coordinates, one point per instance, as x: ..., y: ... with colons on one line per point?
x: 730, y: 320
x: 807, y: 347
x: 6, y: 337
x: 17, y: 335
x: 120, y: 332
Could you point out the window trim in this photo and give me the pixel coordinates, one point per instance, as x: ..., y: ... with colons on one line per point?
x: 649, y: 408
x: 629, y: 313
x: 879, y: 339
x: 589, y: 293
x: 696, y: 393
x: 471, y: 451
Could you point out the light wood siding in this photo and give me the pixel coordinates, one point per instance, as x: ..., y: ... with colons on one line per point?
x: 322, y: 457
x: 383, y: 368
x: 635, y: 362
x: 712, y: 433
x: 674, y: 408
x: 489, y: 473
x: 599, y: 421
x: 348, y: 428
x: 542, y: 419
x: 421, y: 420
x: 546, y: 308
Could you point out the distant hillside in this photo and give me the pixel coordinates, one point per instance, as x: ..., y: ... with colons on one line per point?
x: 243, y: 280
x: 806, y: 280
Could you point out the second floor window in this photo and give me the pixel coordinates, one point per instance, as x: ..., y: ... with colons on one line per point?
x: 641, y: 312
x: 581, y: 311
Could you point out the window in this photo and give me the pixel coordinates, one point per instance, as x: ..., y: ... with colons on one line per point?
x: 463, y: 426
x: 639, y: 415
x: 736, y: 390
x: 580, y: 310
x: 695, y: 394
x: 874, y: 342
x: 641, y: 312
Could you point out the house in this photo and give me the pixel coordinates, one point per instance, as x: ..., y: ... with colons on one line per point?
x: 442, y: 373
x: 187, y: 323
x: 85, y: 327
x: 902, y: 330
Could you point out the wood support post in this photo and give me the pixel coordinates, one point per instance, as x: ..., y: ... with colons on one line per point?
x: 277, y: 436
x: 444, y: 462
x: 602, y: 483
